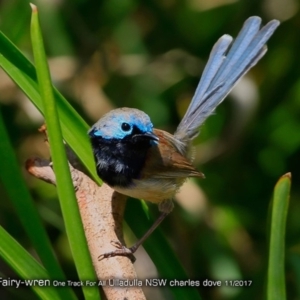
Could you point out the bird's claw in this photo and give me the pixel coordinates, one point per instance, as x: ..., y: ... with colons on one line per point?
x: 120, y: 251
x: 118, y: 245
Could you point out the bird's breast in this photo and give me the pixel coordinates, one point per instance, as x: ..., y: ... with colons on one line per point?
x: 118, y: 162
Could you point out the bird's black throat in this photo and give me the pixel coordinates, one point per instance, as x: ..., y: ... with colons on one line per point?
x: 119, y: 161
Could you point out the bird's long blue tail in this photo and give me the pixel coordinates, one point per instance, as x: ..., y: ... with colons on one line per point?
x: 226, y: 65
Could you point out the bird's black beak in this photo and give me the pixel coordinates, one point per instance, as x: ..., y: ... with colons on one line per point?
x: 147, y: 136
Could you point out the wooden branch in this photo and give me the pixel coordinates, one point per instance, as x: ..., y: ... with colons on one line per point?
x: 101, y: 211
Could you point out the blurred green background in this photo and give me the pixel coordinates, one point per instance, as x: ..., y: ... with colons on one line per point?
x: 149, y: 55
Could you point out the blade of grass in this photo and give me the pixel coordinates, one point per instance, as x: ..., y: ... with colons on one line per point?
x: 14, y: 184
x: 26, y: 266
x: 276, y: 270
x: 74, y: 128
x: 65, y: 188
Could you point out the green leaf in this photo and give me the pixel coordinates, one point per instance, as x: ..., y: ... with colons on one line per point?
x: 276, y: 270
x: 16, y: 189
x: 74, y: 128
x: 26, y: 266
x: 64, y: 183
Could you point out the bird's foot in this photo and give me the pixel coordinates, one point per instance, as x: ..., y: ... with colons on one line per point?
x: 120, y: 251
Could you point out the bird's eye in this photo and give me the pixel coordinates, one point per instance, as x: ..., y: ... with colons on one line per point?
x: 125, y: 127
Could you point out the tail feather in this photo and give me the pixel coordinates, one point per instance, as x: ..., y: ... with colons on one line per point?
x: 241, y: 43
x: 222, y: 72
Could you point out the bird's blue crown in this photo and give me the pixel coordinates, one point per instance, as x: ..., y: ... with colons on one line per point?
x: 122, y: 122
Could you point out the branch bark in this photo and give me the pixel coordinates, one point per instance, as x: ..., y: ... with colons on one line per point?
x: 101, y: 211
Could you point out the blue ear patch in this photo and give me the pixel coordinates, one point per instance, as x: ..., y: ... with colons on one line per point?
x: 97, y: 133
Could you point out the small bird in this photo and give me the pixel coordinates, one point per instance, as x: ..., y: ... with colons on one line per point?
x: 142, y: 162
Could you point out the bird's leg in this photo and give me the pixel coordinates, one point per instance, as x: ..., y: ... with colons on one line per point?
x: 148, y: 233
x: 124, y: 251
x: 166, y: 207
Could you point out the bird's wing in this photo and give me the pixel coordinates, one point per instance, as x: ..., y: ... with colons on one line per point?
x: 165, y: 160
x: 226, y: 65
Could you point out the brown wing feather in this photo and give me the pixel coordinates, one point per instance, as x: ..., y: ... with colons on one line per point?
x: 165, y: 161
